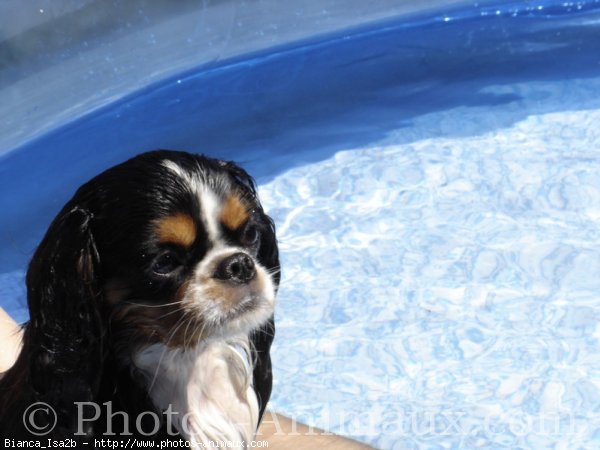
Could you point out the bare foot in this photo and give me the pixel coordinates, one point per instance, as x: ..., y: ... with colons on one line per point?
x: 282, y: 433
x: 10, y: 337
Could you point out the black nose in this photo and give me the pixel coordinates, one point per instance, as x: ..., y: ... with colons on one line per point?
x: 238, y: 268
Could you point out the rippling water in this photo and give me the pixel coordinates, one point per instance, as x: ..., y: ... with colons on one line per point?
x: 443, y: 293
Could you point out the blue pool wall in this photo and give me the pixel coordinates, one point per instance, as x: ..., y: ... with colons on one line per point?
x: 61, y: 59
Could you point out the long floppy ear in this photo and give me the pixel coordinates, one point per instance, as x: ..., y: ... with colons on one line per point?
x: 268, y: 256
x: 62, y: 352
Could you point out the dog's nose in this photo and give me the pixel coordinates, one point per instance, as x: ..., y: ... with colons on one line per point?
x: 238, y: 268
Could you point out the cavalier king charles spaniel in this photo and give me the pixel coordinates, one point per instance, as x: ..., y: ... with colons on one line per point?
x: 150, y: 296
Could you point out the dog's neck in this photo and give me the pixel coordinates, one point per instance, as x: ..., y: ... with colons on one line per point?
x: 207, y: 388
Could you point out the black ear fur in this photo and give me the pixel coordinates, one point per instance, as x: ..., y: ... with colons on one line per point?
x: 62, y: 354
x: 268, y: 256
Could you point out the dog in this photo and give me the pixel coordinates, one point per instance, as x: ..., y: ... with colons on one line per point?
x: 151, y: 301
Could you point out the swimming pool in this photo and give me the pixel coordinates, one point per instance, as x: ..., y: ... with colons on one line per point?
x: 434, y: 180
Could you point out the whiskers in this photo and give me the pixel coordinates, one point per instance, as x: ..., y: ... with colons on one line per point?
x: 189, y: 341
x: 133, y: 319
x: 180, y: 322
x: 274, y: 271
x: 163, y: 305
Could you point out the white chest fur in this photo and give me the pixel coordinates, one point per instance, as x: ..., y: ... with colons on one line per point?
x: 208, y: 389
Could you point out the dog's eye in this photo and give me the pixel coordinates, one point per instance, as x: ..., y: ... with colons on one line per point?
x: 166, y: 263
x: 250, y: 235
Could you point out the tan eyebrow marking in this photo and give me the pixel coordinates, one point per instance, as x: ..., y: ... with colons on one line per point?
x: 176, y: 229
x: 233, y: 213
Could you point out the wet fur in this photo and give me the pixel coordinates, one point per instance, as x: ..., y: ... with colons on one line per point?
x: 97, y: 318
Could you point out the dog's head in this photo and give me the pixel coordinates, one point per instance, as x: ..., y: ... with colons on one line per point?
x: 173, y: 247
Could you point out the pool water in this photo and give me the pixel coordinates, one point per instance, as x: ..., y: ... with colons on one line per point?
x: 435, y: 182
x: 443, y: 292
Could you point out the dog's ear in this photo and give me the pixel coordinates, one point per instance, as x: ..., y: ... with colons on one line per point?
x: 268, y: 253
x: 262, y: 376
x: 64, y: 337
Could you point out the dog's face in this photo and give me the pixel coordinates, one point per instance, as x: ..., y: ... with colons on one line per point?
x: 185, y: 249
